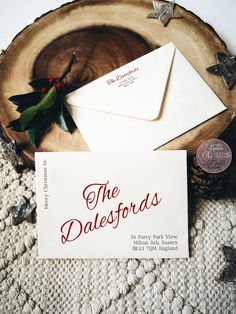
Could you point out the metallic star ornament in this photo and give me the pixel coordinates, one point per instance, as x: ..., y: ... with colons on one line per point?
x: 9, y: 152
x: 225, y: 67
x: 164, y: 12
x: 23, y: 211
x: 228, y: 274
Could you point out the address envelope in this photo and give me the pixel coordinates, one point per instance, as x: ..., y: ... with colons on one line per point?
x: 143, y: 104
x: 112, y: 205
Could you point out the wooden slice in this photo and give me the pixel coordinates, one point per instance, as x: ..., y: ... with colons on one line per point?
x: 106, y: 35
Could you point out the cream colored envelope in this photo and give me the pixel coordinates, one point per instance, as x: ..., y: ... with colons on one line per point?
x: 143, y: 104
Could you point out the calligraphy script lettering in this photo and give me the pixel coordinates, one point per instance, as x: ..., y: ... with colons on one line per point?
x: 97, y: 193
x: 122, y: 76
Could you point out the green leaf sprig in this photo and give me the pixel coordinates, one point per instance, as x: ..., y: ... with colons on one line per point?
x: 43, y: 107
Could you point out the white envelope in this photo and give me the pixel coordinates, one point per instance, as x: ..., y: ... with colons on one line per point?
x: 143, y: 104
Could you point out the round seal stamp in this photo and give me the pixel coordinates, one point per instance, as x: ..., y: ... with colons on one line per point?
x: 214, y: 156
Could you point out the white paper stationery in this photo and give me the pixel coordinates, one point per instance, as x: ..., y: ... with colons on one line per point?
x: 112, y: 205
x: 144, y: 104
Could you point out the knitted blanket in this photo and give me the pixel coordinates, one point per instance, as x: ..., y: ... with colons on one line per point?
x: 89, y: 286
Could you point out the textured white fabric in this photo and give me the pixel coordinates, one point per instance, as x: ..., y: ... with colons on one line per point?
x: 187, y: 286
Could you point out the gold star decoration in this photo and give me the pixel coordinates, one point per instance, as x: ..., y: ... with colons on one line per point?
x: 226, y: 67
x: 163, y: 12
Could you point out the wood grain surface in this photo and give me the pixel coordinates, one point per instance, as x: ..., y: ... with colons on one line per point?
x: 106, y: 34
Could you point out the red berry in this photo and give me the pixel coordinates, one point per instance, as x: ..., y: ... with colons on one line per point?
x: 51, y: 80
x: 59, y: 85
x: 44, y: 90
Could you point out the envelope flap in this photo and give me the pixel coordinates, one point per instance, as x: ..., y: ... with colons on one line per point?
x: 135, y: 89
